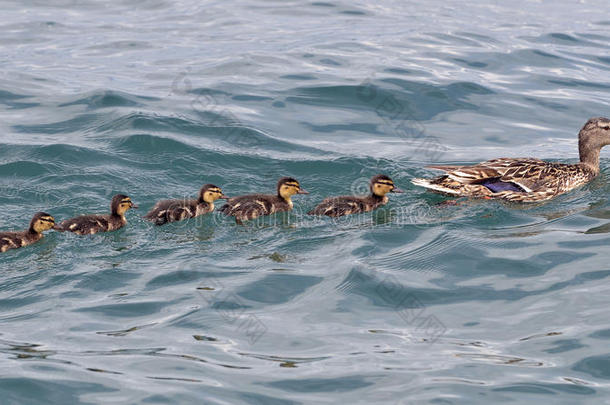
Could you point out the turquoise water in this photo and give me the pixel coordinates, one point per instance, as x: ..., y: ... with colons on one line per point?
x: 419, y: 302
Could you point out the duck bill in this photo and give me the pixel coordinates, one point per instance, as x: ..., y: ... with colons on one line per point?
x: 396, y: 190
x: 301, y: 191
x: 135, y: 207
x: 224, y: 197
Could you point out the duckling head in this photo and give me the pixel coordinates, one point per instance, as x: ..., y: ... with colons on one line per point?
x: 121, y: 204
x: 210, y: 193
x: 382, y: 184
x: 591, y: 138
x: 41, y: 222
x: 287, y: 187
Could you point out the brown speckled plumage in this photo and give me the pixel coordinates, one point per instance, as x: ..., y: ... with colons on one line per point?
x: 527, y: 179
x: 12, y: 240
x: 247, y: 207
x: 345, y: 205
x: 91, y: 224
x: 178, y: 210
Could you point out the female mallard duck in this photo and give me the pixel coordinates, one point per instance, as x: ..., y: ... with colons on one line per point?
x: 90, y: 224
x: 525, y: 179
x: 338, y: 206
x: 252, y: 206
x: 12, y: 240
x: 177, y: 210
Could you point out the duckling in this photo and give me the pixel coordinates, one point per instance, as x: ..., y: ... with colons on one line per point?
x: 252, y: 206
x: 525, y: 179
x: 90, y: 224
x: 344, y: 205
x: 177, y: 210
x: 12, y: 240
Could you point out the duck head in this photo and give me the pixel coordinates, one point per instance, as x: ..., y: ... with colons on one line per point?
x: 382, y: 184
x: 121, y: 204
x: 210, y: 193
x: 41, y: 222
x: 287, y: 187
x: 591, y: 139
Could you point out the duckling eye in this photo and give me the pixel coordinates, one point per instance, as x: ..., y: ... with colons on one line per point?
x: 385, y: 183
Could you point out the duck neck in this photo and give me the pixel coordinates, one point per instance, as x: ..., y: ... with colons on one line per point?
x: 285, y: 198
x: 589, y: 155
x: 202, y: 201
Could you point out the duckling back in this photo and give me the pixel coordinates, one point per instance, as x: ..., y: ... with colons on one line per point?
x: 91, y: 224
x: 248, y: 207
x: 346, y: 205
x: 177, y: 210
x: 11, y: 240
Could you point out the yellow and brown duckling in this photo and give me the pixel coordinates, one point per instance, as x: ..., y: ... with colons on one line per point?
x: 90, y: 224
x: 12, y: 240
x: 525, y: 179
x: 178, y: 210
x: 247, y: 207
x: 380, y: 186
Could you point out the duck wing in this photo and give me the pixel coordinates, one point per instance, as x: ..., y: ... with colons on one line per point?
x: 526, y: 174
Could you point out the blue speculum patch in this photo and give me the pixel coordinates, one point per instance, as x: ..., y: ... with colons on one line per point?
x: 496, y: 185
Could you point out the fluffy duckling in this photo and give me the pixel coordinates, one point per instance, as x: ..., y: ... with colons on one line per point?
x: 178, y: 210
x: 525, y: 179
x: 252, y: 206
x: 344, y: 205
x: 12, y: 240
x: 90, y: 224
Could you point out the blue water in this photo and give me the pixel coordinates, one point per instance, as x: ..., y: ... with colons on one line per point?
x: 418, y: 302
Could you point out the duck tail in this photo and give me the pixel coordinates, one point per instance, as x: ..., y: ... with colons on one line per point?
x: 157, y: 218
x: 160, y: 220
x: 225, y: 209
x: 435, y: 185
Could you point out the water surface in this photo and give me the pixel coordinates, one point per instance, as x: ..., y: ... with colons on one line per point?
x: 418, y: 302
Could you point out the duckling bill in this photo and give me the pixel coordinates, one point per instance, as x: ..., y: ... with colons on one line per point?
x: 525, y: 179
x: 40, y: 223
x: 247, y: 207
x: 91, y: 224
x: 380, y: 186
x: 178, y: 210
